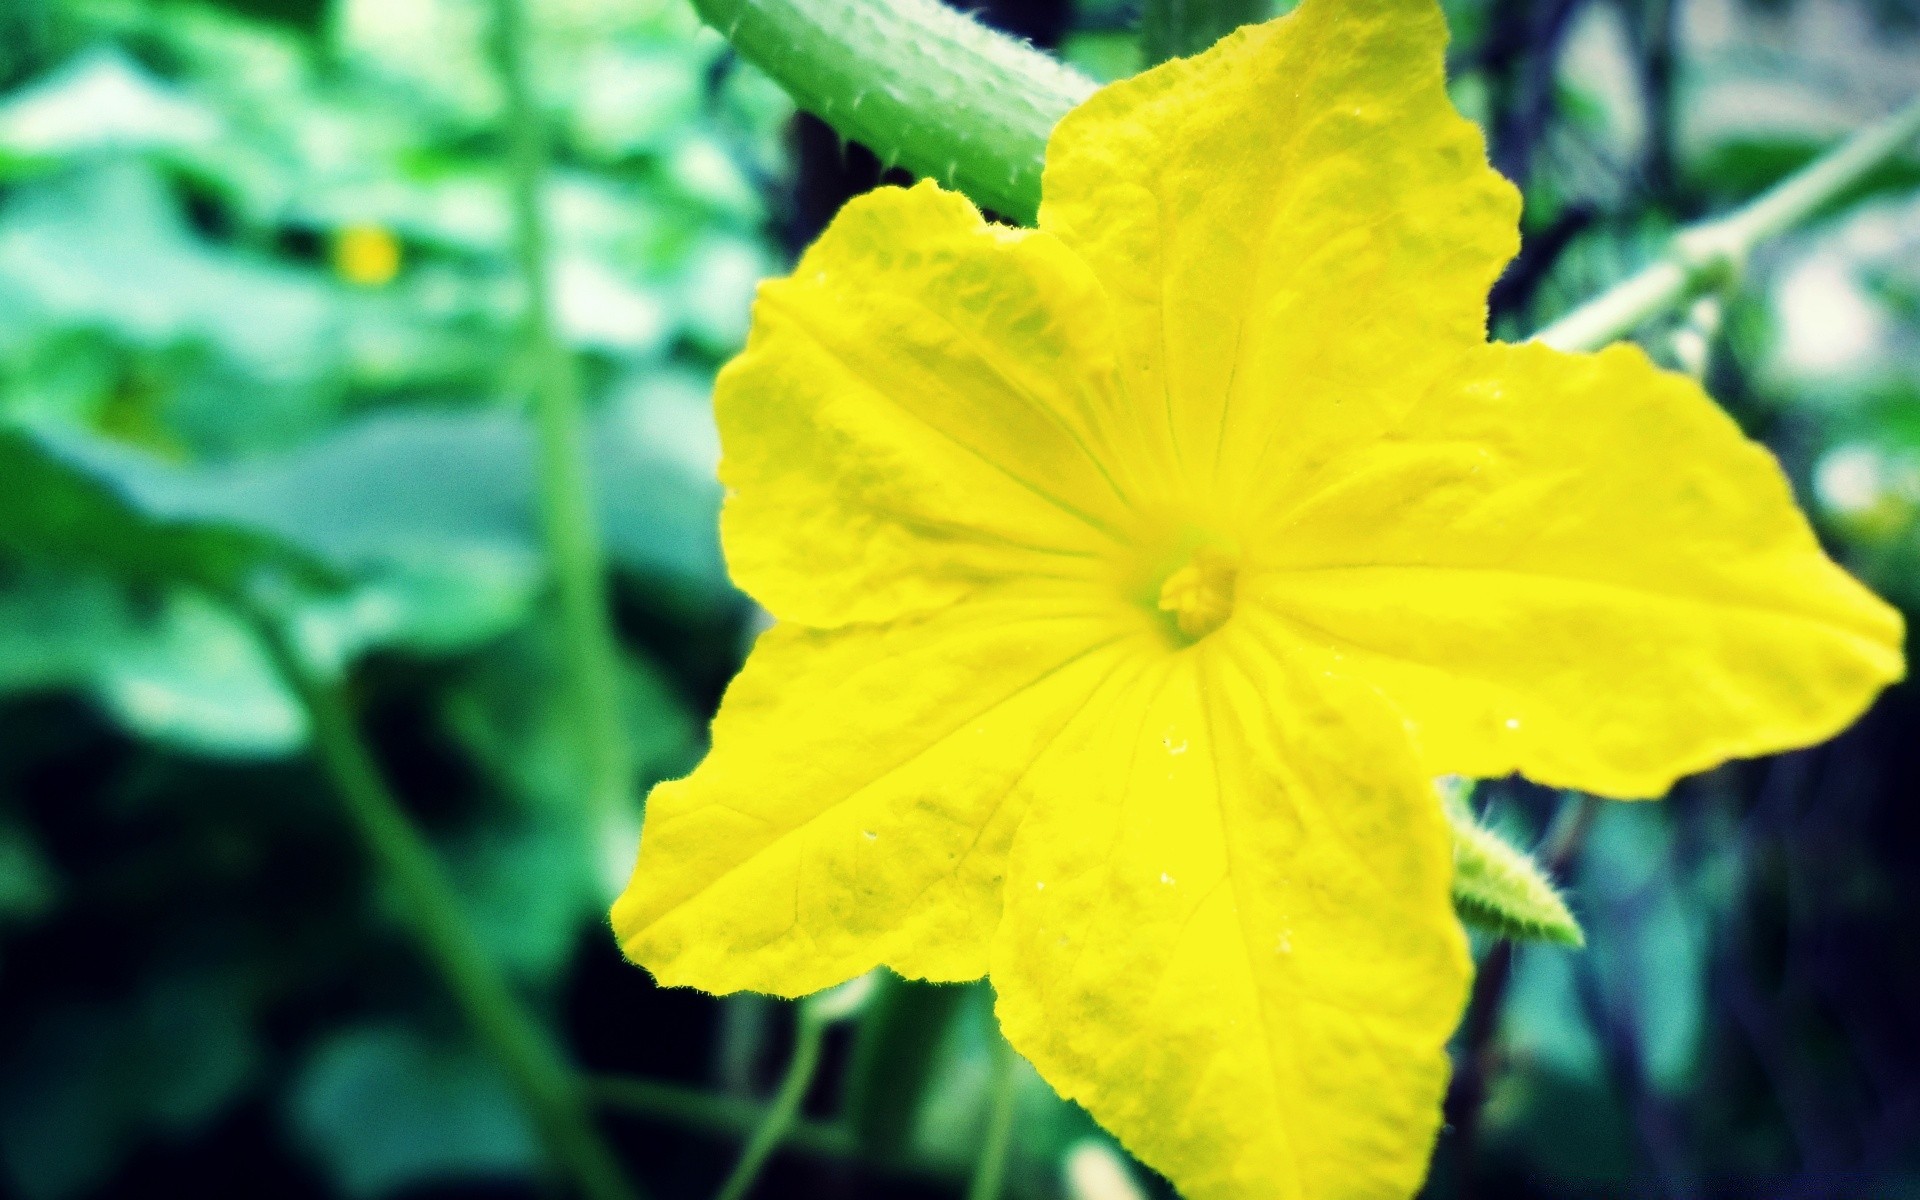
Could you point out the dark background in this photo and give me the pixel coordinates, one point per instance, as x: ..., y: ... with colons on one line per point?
x: 258, y: 251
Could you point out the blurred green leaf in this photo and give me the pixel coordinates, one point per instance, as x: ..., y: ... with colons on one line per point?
x: 196, y: 677
x: 54, y: 628
x: 634, y: 99
x: 102, y: 101
x: 58, y: 508
x: 27, y: 884
x: 166, y: 664
x: 383, y: 495
x: 1654, y: 956
x: 87, y: 1082
x: 189, y: 674
x: 384, y: 1108
x: 952, y: 1112
x: 904, y: 1028
x: 531, y: 889
x: 508, y: 710
x: 105, y: 245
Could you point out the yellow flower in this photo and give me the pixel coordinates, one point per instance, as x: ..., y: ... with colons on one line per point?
x: 367, y: 255
x: 1134, y: 575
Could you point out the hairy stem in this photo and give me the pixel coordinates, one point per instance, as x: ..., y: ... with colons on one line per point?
x: 546, y: 1084
x: 1705, y: 256
x: 925, y: 87
x: 780, y: 1115
x: 566, y: 495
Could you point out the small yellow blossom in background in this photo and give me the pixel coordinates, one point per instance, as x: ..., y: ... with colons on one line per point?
x: 1135, y: 575
x: 366, y: 255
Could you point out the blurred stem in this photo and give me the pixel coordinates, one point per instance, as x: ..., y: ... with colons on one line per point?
x: 724, y: 1116
x: 1176, y: 28
x: 730, y: 1117
x: 429, y: 903
x: 809, y: 1032
x: 1705, y: 256
x: 566, y: 488
x: 990, y: 1169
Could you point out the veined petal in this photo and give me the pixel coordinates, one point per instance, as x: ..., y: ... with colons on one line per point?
x: 859, y: 799
x: 1296, y: 227
x: 1227, y: 931
x: 1576, y: 567
x: 921, y: 409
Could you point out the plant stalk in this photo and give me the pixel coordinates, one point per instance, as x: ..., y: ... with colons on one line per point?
x: 1710, y: 254
x: 990, y: 1169
x: 925, y: 87
x: 723, y: 1116
x: 546, y: 1084
x: 809, y: 1032
x: 566, y: 487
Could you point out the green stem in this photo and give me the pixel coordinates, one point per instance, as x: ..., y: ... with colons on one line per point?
x: 1707, y: 255
x: 566, y: 492
x: 709, y: 1112
x: 428, y: 901
x: 925, y: 87
x: 779, y: 1117
x: 1176, y: 28
x: 990, y: 1169
x: 728, y: 1117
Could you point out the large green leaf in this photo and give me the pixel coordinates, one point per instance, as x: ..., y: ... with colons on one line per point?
x: 87, y: 1082
x: 102, y: 101
x: 104, y: 245
x: 58, y: 505
x: 384, y: 1108
x: 426, y: 521
x: 429, y: 492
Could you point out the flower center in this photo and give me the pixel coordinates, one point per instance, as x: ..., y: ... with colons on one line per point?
x: 1200, y: 594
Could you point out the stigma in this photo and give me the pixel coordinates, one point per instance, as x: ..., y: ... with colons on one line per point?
x: 1200, y: 594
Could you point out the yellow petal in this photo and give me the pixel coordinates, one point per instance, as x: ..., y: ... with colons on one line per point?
x: 919, y: 409
x: 1227, y: 928
x: 1295, y: 226
x: 1576, y: 567
x: 1227, y: 931
x: 858, y: 801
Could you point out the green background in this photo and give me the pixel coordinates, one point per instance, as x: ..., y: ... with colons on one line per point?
x: 205, y: 989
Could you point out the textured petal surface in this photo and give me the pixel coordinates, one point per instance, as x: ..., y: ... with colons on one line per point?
x: 1576, y: 567
x: 1296, y: 227
x: 1135, y: 575
x: 919, y: 410
x: 1227, y: 930
x: 859, y: 800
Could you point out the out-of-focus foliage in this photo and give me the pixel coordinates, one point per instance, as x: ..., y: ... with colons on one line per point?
x: 259, y: 342
x: 258, y: 328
